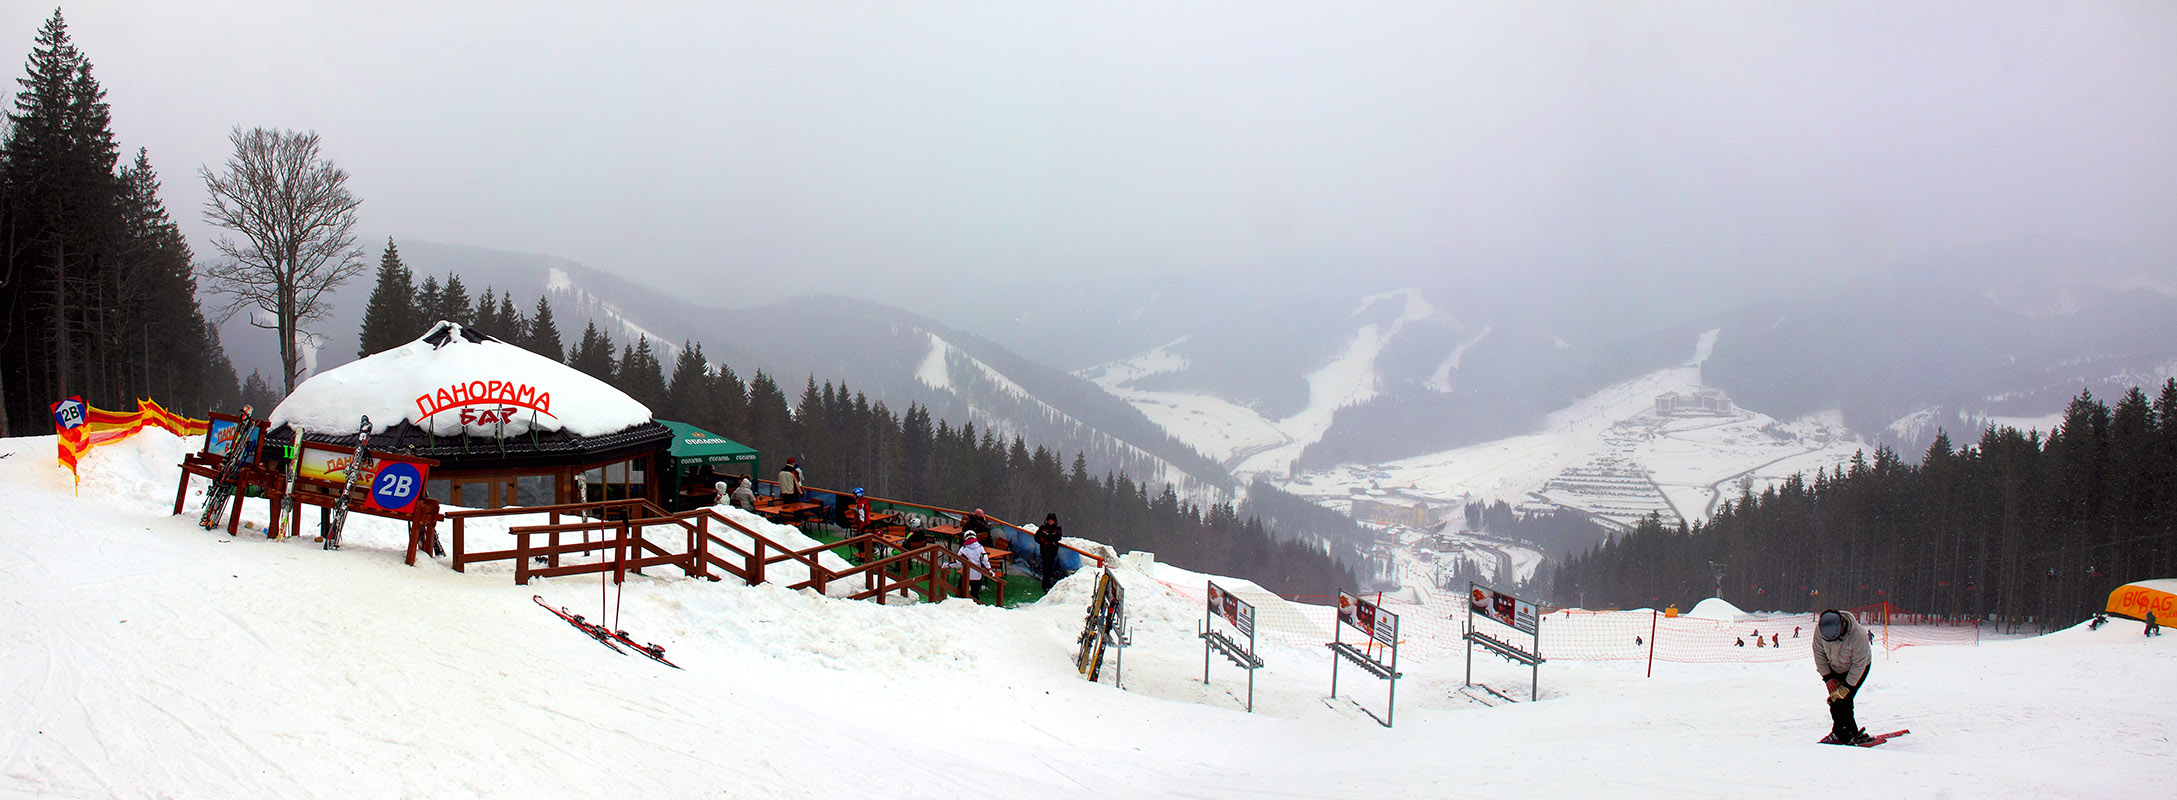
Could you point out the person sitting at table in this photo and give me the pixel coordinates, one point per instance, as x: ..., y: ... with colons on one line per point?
x: 975, y: 523
x: 790, y: 482
x: 977, y: 563
x: 744, y: 492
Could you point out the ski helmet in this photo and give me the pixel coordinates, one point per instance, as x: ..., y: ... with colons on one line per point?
x: 857, y: 491
x: 1831, y: 627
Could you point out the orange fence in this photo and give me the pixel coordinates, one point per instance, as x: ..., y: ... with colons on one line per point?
x: 102, y: 427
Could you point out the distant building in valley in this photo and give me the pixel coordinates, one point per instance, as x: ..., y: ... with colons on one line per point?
x: 1706, y: 402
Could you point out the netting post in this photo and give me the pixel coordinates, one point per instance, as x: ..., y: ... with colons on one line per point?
x: 1652, y: 617
x: 1469, y: 644
x: 1534, y: 681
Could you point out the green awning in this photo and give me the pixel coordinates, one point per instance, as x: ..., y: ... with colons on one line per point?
x: 695, y: 446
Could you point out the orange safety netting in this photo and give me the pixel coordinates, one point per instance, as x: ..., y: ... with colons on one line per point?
x: 1435, y: 629
x: 102, y: 427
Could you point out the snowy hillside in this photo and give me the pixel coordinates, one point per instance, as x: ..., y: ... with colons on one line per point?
x: 152, y: 658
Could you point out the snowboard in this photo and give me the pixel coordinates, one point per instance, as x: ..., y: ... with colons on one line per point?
x: 1872, y: 740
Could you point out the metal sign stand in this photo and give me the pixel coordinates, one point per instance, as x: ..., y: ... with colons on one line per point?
x: 1383, y: 629
x: 1243, y: 619
x: 1510, y: 652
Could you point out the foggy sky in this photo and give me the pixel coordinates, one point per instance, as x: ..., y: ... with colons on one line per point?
x: 934, y: 154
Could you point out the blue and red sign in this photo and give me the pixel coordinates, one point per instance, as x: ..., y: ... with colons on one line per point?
x: 397, y: 485
x: 68, y: 414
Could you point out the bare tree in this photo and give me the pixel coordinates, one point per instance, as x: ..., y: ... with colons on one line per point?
x: 297, y: 221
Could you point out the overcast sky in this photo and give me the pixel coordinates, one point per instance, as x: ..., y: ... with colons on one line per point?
x: 749, y: 150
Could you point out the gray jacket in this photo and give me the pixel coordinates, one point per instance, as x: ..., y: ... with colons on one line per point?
x: 1850, y: 654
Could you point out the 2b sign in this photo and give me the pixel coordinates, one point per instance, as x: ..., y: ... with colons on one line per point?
x: 397, y: 485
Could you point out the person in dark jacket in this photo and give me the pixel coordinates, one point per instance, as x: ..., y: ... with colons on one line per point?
x: 1047, y: 537
x: 975, y: 522
x: 2153, y: 629
x: 1842, y: 656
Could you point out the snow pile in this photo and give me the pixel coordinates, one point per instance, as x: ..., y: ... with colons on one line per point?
x: 445, y: 387
x: 151, y: 658
x: 1716, y: 608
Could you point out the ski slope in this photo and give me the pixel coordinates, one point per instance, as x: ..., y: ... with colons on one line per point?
x: 151, y: 658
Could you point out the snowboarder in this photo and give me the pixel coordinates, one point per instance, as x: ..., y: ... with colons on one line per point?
x: 1776, y: 640
x: 1842, y: 659
x: 1047, y: 537
x: 1740, y: 643
x: 2153, y: 629
x: 1795, y: 631
x: 2100, y: 619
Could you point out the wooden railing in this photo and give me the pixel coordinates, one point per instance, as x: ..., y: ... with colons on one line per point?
x: 934, y: 510
x: 624, y: 546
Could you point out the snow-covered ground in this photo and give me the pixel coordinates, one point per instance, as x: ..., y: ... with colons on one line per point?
x: 152, y: 658
x: 1612, y: 455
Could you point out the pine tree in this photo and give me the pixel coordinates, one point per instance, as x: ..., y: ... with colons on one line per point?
x: 593, y: 355
x: 428, y: 298
x: 641, y: 376
x: 453, y: 300
x: 688, y: 396
x: 510, y: 319
x: 485, y: 316
x: 62, y: 221
x: 543, y: 338
x: 390, y: 319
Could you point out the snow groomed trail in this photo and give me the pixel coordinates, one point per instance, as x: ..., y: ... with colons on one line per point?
x: 152, y: 658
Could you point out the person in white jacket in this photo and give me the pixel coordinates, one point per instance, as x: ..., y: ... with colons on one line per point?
x: 977, y: 563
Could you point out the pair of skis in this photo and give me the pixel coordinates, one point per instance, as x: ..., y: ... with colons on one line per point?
x: 356, y: 467
x: 230, y: 471
x: 606, y: 636
x: 287, y: 497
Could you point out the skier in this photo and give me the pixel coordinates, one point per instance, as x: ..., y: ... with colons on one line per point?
x: 2152, y: 628
x: 859, y: 512
x: 1776, y: 640
x: 977, y: 565
x: 1047, y: 537
x: 2100, y: 619
x: 1842, y: 659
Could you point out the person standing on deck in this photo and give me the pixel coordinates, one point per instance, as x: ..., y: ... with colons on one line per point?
x: 1047, y: 537
x: 790, y: 482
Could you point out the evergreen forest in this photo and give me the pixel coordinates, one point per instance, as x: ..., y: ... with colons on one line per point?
x: 2017, y: 528
x: 98, y: 293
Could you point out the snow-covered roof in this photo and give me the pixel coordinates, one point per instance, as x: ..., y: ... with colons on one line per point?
x: 454, y: 378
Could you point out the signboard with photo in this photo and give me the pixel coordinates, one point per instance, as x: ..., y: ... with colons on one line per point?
x: 1513, y: 612
x: 1236, y: 611
x: 1368, y: 618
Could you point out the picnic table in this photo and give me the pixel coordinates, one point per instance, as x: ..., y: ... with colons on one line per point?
x: 784, y: 511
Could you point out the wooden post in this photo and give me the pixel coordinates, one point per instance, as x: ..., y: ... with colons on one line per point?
x: 619, y: 555
x: 755, y: 560
x: 461, y: 545
x: 521, y: 557
x: 181, y: 492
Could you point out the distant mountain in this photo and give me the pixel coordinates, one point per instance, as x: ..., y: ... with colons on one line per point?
x: 889, y: 355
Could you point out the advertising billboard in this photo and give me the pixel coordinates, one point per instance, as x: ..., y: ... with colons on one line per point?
x: 1512, y: 611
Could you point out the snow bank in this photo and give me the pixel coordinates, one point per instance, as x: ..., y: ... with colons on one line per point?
x: 1716, y: 608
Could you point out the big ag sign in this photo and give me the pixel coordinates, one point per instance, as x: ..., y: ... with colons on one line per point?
x: 484, y: 403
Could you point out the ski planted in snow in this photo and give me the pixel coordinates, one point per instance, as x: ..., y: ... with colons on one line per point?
x: 287, y: 498
x: 1872, y: 740
x: 230, y: 469
x: 598, y: 632
x: 356, y: 467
